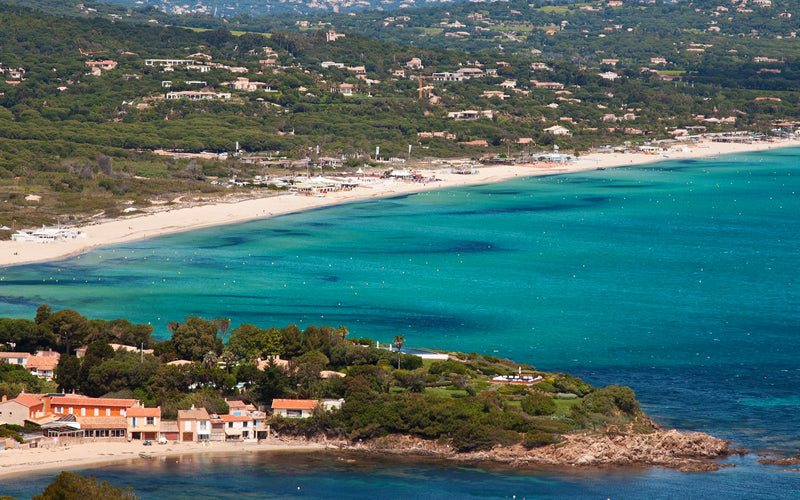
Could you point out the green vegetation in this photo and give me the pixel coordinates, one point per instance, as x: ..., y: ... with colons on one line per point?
x: 450, y: 401
x: 68, y: 485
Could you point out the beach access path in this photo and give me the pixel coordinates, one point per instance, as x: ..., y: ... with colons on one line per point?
x: 185, y: 218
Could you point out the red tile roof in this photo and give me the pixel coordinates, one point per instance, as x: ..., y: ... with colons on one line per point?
x: 294, y: 404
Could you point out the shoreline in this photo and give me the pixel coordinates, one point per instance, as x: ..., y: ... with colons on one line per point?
x: 75, y: 456
x: 220, y: 212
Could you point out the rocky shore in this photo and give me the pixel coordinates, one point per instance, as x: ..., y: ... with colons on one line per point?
x: 684, y: 451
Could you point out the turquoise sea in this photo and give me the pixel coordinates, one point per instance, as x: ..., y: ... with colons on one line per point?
x: 678, y: 279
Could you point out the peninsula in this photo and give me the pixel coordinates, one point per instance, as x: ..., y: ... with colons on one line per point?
x: 78, y: 392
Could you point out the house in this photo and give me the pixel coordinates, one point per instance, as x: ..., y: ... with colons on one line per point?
x: 414, y: 63
x: 43, y: 364
x: 470, y: 114
x: 547, y: 85
x: 15, y: 358
x: 346, y: 88
x: 468, y: 73
x: 294, y: 408
x: 242, y: 83
x: 447, y: 77
x: 499, y: 94
x: 193, y: 95
x: 144, y: 423
x: 332, y: 36
x: 609, y: 75
x: 106, y: 65
x: 237, y: 427
x: 194, y: 425
x: 24, y: 407
x: 540, y: 66
x: 558, y: 130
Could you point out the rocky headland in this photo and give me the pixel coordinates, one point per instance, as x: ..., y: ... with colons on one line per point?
x: 684, y: 451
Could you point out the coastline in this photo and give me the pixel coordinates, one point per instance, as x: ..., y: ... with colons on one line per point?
x: 139, y: 227
x: 686, y: 452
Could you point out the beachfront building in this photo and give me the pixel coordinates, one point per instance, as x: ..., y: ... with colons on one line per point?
x: 102, y: 427
x: 194, y: 425
x: 84, y: 406
x: 144, y: 423
x: 237, y: 427
x: 294, y: 408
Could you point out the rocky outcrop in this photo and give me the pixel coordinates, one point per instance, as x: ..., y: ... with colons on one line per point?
x: 688, y: 452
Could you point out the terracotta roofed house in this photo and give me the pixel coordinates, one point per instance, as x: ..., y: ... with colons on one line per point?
x: 294, y: 408
x: 23, y: 407
x: 194, y: 425
x: 144, y: 423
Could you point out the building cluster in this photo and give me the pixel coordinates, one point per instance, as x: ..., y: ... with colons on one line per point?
x: 74, y: 416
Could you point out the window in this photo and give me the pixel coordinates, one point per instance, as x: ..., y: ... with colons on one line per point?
x: 97, y: 412
x: 83, y: 412
x: 230, y: 425
x: 187, y: 425
x: 70, y: 410
x: 134, y: 422
x: 108, y: 412
x: 151, y: 420
x: 203, y: 426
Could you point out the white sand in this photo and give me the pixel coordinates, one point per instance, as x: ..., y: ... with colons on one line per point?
x: 183, y: 219
x: 14, y: 462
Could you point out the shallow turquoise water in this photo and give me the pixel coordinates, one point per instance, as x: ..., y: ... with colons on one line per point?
x: 679, y: 280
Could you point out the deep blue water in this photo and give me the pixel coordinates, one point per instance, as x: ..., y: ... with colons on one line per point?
x: 679, y: 280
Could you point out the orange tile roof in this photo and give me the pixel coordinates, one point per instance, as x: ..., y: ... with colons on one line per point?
x: 28, y: 400
x: 195, y: 413
x: 236, y: 404
x: 47, y: 363
x: 235, y: 418
x: 102, y: 422
x: 144, y: 412
x: 87, y: 401
x: 294, y: 404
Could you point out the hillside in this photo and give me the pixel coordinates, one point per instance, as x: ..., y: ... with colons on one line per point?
x: 86, y: 101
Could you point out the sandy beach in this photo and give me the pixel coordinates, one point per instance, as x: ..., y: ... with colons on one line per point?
x: 186, y: 218
x: 94, y: 453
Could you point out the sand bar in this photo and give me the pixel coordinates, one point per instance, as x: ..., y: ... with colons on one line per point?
x: 180, y: 219
x: 15, y: 462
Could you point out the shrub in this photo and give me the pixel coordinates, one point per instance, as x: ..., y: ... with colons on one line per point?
x: 536, y: 439
x: 538, y: 404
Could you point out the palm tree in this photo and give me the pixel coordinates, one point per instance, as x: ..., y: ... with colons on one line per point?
x: 398, y: 343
